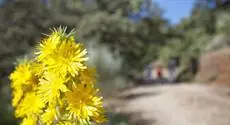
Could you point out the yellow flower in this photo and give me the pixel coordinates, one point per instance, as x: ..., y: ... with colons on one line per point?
x: 69, y: 58
x: 83, y: 102
x: 88, y: 76
x: 49, y: 116
x: 30, y: 105
x: 17, y: 96
x: 51, y: 87
x: 48, y: 45
x: 29, y: 121
x: 65, y: 123
x: 57, y: 87
x: 100, y: 118
x: 23, y: 75
x: 38, y: 68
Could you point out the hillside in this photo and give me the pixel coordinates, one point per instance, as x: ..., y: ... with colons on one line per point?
x: 215, y: 67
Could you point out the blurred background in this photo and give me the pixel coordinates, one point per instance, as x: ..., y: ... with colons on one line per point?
x: 130, y: 42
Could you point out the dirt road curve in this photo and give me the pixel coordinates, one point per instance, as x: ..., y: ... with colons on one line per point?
x: 183, y: 104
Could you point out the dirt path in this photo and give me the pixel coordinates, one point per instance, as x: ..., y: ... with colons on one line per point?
x: 181, y: 104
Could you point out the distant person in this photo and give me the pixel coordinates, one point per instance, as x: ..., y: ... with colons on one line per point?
x: 159, y: 72
x: 172, y: 65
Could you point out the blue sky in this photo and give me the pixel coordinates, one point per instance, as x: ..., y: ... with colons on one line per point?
x: 175, y: 9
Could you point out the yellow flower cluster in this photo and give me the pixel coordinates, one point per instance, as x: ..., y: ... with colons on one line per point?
x: 57, y: 87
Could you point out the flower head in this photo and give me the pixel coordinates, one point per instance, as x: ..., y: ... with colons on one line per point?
x: 30, y: 105
x: 51, y: 86
x: 69, y: 58
x: 23, y: 75
x: 83, y: 102
x: 60, y: 53
x: 48, y: 45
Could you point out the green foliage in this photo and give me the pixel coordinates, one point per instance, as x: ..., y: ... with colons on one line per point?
x: 108, y: 24
x: 223, y: 23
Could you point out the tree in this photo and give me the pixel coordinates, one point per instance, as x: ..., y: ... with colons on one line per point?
x: 107, y: 22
